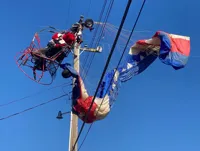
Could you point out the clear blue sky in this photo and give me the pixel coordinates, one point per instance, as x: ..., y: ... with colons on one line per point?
x: 157, y: 110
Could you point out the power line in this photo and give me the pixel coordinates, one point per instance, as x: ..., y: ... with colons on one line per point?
x: 28, y: 96
x: 106, y: 66
x: 85, y: 136
x: 117, y: 64
x: 96, y: 30
x: 68, y: 13
x: 31, y: 108
x: 101, y: 34
x: 89, y: 7
x: 105, y: 21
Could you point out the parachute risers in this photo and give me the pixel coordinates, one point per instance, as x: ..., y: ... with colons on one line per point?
x: 27, y: 58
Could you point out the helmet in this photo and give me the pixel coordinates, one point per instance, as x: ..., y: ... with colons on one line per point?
x: 66, y: 73
x: 89, y: 23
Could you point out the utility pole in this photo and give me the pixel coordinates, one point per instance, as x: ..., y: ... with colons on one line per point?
x: 74, y: 118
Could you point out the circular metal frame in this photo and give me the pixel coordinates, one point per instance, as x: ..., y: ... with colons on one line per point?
x: 28, y: 57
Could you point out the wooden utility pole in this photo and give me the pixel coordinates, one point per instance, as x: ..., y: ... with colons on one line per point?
x: 74, y: 118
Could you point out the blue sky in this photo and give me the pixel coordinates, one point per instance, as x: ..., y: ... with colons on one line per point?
x: 157, y: 110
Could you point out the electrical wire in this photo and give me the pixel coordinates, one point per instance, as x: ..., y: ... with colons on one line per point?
x: 105, y: 68
x: 95, y: 33
x: 31, y: 108
x: 85, y: 136
x: 68, y: 13
x: 89, y: 7
x: 101, y: 35
x: 134, y: 26
x: 28, y: 96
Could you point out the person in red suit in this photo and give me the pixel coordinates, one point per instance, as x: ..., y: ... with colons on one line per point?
x: 62, y: 42
x: 102, y: 102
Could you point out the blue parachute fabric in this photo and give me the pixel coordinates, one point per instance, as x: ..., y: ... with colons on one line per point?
x: 174, y: 49
x: 76, y: 92
x: 165, y: 45
x: 70, y: 68
x: 171, y: 49
x: 105, y: 84
x: 136, y: 67
x: 109, y: 86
